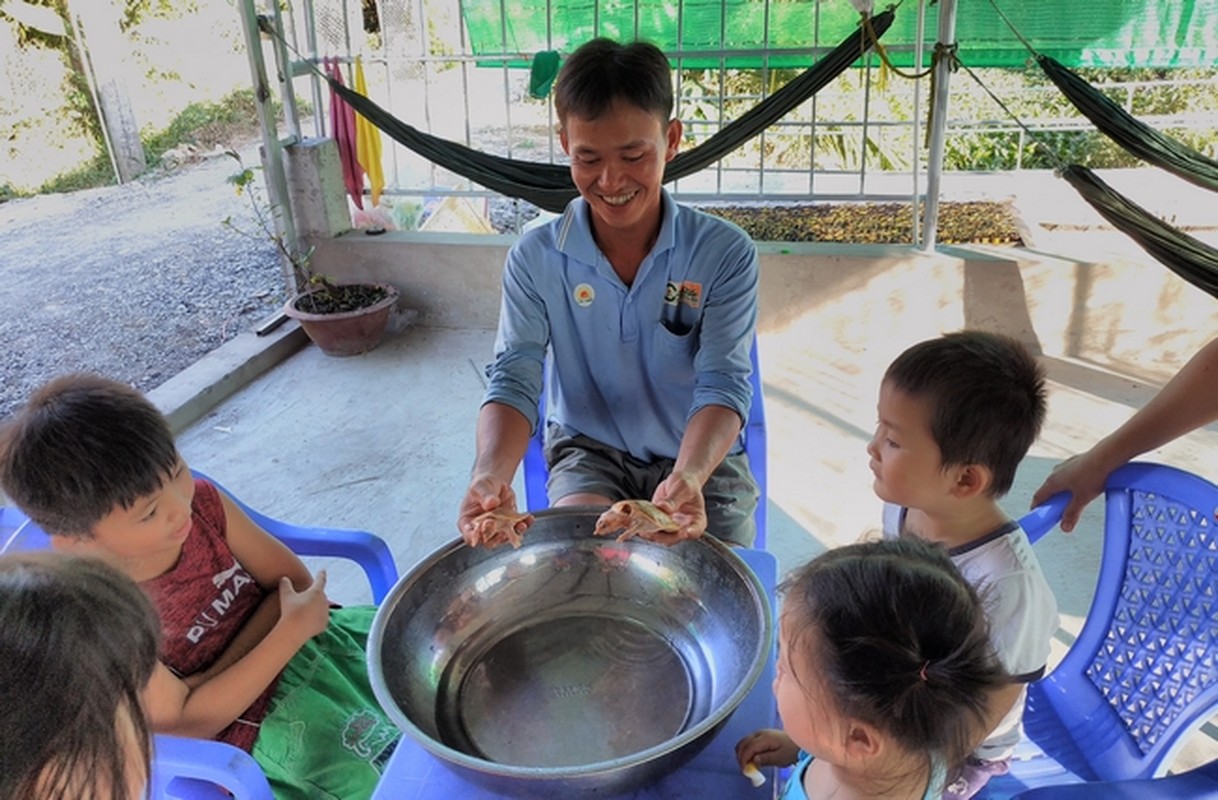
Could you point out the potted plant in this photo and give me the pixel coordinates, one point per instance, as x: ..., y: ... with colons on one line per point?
x: 341, y: 319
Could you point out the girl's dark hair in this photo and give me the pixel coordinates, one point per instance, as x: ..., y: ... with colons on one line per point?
x: 986, y: 394
x: 82, y: 446
x: 78, y: 643
x: 603, y: 71
x: 900, y: 639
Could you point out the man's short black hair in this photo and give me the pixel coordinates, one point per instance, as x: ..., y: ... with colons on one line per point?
x: 602, y: 72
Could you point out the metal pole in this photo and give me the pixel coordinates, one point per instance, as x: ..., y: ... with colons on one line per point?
x: 938, y: 133
x: 283, y: 69
x: 919, y: 47
x: 272, y: 156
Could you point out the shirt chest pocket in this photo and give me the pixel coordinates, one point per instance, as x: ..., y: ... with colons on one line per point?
x: 674, y: 353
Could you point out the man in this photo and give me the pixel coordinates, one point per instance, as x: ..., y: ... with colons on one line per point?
x: 648, y: 310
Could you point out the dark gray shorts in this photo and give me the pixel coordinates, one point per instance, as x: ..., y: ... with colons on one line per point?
x: 579, y: 464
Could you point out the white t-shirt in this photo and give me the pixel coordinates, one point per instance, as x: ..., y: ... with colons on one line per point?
x: 1021, y: 608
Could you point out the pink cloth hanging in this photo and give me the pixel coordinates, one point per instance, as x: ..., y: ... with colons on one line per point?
x: 342, y: 127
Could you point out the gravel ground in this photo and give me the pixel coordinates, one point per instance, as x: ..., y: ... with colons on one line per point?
x: 136, y: 282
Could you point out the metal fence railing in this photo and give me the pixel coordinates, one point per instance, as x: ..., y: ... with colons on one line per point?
x: 855, y: 141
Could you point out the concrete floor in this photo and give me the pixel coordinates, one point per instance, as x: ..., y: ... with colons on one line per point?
x: 384, y: 442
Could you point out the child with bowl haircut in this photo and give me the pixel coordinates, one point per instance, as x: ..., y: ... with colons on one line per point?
x: 78, y: 643
x: 252, y: 653
x: 877, y: 702
x: 957, y: 414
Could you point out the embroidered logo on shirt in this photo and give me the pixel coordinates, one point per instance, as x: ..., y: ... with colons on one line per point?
x: 584, y: 294
x: 689, y: 293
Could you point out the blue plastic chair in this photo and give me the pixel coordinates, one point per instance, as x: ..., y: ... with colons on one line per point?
x: 536, y: 472
x: 1199, y: 783
x: 1142, y: 674
x: 197, y: 769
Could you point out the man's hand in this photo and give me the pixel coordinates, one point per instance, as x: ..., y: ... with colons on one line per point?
x: 680, y: 496
x: 486, y: 493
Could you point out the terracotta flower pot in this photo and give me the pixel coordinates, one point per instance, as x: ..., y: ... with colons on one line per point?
x: 344, y: 333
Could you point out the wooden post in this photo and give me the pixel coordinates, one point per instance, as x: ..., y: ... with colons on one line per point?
x: 105, y: 56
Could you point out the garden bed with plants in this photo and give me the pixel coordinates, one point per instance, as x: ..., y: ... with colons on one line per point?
x: 975, y: 222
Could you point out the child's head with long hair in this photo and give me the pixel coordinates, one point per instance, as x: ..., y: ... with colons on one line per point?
x: 78, y: 644
x: 885, y: 663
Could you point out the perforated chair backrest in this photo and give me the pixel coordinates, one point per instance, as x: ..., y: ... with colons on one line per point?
x: 536, y: 473
x: 1143, y: 673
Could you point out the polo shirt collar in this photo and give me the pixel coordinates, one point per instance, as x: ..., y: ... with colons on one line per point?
x: 575, y: 230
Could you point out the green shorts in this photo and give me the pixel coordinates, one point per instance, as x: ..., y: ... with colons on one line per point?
x: 580, y: 464
x: 325, y: 735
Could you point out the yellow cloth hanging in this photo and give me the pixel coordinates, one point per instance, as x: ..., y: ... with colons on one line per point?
x: 368, y: 141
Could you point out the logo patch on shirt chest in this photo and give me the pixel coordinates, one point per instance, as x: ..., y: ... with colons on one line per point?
x: 583, y: 295
x: 688, y: 293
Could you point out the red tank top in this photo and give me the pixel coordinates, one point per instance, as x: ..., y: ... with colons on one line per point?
x: 203, y: 601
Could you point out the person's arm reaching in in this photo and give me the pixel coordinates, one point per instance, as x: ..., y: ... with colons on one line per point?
x: 1188, y: 401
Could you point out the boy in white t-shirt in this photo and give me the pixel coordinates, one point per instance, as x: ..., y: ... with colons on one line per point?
x: 956, y: 416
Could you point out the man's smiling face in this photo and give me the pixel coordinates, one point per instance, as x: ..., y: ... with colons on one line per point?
x: 617, y: 163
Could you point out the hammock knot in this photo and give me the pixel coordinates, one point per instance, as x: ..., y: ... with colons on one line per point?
x: 949, y: 52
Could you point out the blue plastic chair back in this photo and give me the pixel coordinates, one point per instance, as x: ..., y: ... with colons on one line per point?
x: 366, y: 549
x: 1199, y: 783
x: 19, y: 534
x: 1142, y: 674
x: 536, y: 473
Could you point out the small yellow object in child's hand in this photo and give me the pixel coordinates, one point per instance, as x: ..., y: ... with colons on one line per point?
x: 753, y: 774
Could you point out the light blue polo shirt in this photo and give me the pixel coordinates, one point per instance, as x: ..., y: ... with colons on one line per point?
x: 632, y: 364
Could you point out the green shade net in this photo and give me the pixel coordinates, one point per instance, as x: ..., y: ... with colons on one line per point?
x: 1191, y: 259
x: 1078, y: 33
x: 549, y: 186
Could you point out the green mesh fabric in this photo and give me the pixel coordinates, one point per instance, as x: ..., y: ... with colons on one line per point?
x: 1078, y: 33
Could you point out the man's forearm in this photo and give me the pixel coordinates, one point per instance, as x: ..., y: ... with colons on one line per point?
x: 711, y: 433
x: 502, y: 438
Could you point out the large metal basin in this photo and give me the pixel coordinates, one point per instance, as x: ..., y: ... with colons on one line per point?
x: 574, y: 664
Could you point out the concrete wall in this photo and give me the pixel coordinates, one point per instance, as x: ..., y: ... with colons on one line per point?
x: 1124, y: 315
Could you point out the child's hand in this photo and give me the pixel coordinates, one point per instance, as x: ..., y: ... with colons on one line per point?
x: 767, y: 747
x: 306, y: 613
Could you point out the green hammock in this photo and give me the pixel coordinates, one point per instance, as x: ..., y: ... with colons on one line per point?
x: 549, y: 186
x: 1134, y: 136
x: 1191, y: 259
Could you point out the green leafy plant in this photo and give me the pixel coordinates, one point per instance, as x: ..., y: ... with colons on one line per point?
x: 316, y: 294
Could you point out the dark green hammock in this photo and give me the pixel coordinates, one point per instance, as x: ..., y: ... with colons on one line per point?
x: 1191, y: 259
x: 549, y: 186
x: 1130, y: 133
